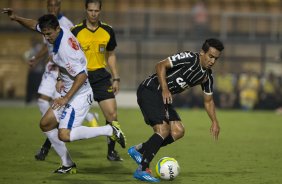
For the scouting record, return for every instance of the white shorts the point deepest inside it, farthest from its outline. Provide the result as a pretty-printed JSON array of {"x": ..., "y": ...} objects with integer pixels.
[
  {"x": 73, "y": 114},
  {"x": 48, "y": 85}
]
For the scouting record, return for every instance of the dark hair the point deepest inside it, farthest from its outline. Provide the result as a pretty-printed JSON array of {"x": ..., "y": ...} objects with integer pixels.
[
  {"x": 58, "y": 2},
  {"x": 212, "y": 42},
  {"x": 93, "y": 1},
  {"x": 48, "y": 21}
]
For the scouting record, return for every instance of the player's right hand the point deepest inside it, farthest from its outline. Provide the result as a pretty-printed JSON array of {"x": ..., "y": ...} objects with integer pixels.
[
  {"x": 9, "y": 12},
  {"x": 60, "y": 102},
  {"x": 167, "y": 97},
  {"x": 214, "y": 130}
]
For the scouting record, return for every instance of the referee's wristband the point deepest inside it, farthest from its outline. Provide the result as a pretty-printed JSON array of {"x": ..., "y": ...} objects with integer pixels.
[{"x": 116, "y": 79}]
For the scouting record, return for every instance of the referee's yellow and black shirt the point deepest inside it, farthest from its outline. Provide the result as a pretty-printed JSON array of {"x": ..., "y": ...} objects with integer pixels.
[{"x": 95, "y": 43}]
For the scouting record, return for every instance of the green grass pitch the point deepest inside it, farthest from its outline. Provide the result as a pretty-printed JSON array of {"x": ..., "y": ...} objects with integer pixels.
[{"x": 249, "y": 150}]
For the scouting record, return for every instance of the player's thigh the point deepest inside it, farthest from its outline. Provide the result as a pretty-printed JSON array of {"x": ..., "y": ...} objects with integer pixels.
[
  {"x": 151, "y": 105},
  {"x": 48, "y": 121},
  {"x": 74, "y": 113},
  {"x": 171, "y": 113}
]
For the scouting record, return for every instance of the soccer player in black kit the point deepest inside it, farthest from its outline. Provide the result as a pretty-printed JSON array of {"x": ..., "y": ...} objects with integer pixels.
[{"x": 154, "y": 95}]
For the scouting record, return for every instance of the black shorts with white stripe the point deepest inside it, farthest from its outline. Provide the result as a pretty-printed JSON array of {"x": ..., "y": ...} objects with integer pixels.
[{"x": 153, "y": 109}]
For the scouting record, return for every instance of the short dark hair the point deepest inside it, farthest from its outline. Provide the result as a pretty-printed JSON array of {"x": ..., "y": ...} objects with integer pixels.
[
  {"x": 48, "y": 21},
  {"x": 58, "y": 2},
  {"x": 93, "y": 1},
  {"x": 212, "y": 42}
]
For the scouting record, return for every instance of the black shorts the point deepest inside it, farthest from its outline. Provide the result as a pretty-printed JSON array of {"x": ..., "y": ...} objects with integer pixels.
[
  {"x": 153, "y": 108},
  {"x": 100, "y": 82}
]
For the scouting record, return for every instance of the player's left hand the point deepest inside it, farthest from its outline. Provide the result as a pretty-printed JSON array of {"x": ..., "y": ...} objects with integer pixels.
[
  {"x": 59, "y": 86},
  {"x": 214, "y": 130},
  {"x": 59, "y": 102}
]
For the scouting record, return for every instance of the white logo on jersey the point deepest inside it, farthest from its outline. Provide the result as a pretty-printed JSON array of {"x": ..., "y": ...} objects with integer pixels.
[
  {"x": 181, "y": 55},
  {"x": 181, "y": 83},
  {"x": 70, "y": 69}
]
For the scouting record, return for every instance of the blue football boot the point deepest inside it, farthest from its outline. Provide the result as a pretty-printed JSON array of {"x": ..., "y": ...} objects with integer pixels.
[
  {"x": 135, "y": 155},
  {"x": 145, "y": 175}
]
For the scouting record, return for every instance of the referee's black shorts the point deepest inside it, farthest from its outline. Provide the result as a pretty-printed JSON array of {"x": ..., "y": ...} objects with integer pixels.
[
  {"x": 100, "y": 82},
  {"x": 152, "y": 107}
]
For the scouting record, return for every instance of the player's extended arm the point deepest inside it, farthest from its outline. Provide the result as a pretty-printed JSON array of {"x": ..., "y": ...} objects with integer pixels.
[
  {"x": 210, "y": 108},
  {"x": 28, "y": 23},
  {"x": 161, "y": 68},
  {"x": 112, "y": 63},
  {"x": 78, "y": 82}
]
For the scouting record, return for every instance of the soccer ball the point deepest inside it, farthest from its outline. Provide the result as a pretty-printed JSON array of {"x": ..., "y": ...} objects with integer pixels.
[{"x": 167, "y": 168}]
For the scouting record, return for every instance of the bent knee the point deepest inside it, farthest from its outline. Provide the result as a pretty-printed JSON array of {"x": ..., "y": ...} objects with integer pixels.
[
  {"x": 165, "y": 133},
  {"x": 44, "y": 125},
  {"x": 162, "y": 129},
  {"x": 48, "y": 121},
  {"x": 64, "y": 136},
  {"x": 178, "y": 134}
]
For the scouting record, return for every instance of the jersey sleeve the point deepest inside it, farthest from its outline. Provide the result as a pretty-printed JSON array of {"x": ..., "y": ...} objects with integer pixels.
[
  {"x": 112, "y": 42},
  {"x": 181, "y": 58},
  {"x": 207, "y": 86}
]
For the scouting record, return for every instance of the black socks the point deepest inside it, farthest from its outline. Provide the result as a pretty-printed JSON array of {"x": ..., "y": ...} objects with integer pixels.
[
  {"x": 150, "y": 149},
  {"x": 168, "y": 140},
  {"x": 47, "y": 144}
]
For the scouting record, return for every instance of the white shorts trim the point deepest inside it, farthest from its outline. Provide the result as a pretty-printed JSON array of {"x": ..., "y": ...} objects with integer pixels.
[{"x": 74, "y": 113}]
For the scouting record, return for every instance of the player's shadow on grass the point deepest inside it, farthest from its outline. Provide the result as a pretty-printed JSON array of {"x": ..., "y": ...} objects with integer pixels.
[
  {"x": 87, "y": 155},
  {"x": 100, "y": 174},
  {"x": 76, "y": 180},
  {"x": 223, "y": 173},
  {"x": 114, "y": 168}
]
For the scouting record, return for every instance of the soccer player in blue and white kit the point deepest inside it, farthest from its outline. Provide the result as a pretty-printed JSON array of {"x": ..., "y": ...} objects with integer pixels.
[
  {"x": 62, "y": 122},
  {"x": 46, "y": 90}
]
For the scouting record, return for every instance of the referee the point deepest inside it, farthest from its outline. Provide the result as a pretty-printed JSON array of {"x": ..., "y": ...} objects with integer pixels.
[{"x": 98, "y": 42}]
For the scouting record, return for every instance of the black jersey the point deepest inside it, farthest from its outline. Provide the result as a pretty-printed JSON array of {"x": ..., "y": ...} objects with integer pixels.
[{"x": 185, "y": 72}]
